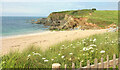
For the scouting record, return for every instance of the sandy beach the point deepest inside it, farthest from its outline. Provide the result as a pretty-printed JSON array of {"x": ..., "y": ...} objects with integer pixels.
[{"x": 44, "y": 40}]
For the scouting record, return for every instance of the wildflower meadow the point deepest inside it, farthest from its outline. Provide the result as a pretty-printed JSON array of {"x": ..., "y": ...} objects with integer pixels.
[{"x": 66, "y": 52}]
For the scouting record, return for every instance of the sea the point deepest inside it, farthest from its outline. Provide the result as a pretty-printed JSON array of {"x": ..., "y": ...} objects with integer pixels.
[{"x": 15, "y": 25}]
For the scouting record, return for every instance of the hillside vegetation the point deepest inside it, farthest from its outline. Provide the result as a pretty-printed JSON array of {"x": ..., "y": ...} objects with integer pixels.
[
  {"x": 81, "y": 19},
  {"x": 100, "y": 17},
  {"x": 65, "y": 52}
]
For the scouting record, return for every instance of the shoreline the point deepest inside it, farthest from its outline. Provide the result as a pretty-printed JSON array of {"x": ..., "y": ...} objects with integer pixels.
[
  {"x": 24, "y": 35},
  {"x": 44, "y": 40}
]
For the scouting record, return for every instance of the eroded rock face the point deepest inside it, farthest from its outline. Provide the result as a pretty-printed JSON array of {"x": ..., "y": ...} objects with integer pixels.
[{"x": 60, "y": 21}]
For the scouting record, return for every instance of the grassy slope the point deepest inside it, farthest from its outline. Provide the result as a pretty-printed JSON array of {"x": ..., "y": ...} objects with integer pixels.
[
  {"x": 101, "y": 18},
  {"x": 27, "y": 59}
]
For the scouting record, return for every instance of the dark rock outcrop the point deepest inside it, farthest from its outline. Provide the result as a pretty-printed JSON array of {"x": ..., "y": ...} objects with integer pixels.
[{"x": 62, "y": 21}]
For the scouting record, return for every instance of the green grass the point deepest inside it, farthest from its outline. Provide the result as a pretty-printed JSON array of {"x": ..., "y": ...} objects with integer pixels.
[
  {"x": 100, "y": 17},
  {"x": 77, "y": 13},
  {"x": 71, "y": 51},
  {"x": 103, "y": 18}
]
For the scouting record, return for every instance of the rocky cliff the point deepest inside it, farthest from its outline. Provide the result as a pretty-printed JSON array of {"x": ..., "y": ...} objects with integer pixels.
[{"x": 67, "y": 20}]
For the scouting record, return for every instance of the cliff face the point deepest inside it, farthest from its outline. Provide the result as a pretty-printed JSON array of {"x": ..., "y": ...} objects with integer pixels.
[
  {"x": 66, "y": 21},
  {"x": 62, "y": 21}
]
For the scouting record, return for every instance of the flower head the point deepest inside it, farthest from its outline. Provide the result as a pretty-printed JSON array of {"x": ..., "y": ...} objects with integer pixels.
[
  {"x": 37, "y": 54},
  {"x": 84, "y": 49},
  {"x": 46, "y": 60},
  {"x": 71, "y": 53},
  {"x": 92, "y": 50},
  {"x": 62, "y": 56},
  {"x": 52, "y": 59},
  {"x": 29, "y": 55},
  {"x": 70, "y": 59},
  {"x": 94, "y": 40},
  {"x": 102, "y": 51},
  {"x": 59, "y": 54},
  {"x": 43, "y": 58},
  {"x": 90, "y": 47}
]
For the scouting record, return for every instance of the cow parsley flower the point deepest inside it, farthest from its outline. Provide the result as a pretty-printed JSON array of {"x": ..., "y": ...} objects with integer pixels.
[
  {"x": 94, "y": 40},
  {"x": 3, "y": 62},
  {"x": 46, "y": 60},
  {"x": 82, "y": 60},
  {"x": 102, "y": 51},
  {"x": 37, "y": 54},
  {"x": 92, "y": 50},
  {"x": 43, "y": 58},
  {"x": 84, "y": 49},
  {"x": 70, "y": 59},
  {"x": 59, "y": 54},
  {"x": 52, "y": 59},
  {"x": 62, "y": 56},
  {"x": 71, "y": 53},
  {"x": 29, "y": 55},
  {"x": 90, "y": 47}
]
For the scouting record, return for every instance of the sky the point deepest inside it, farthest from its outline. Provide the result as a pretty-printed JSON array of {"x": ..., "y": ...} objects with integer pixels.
[{"x": 45, "y": 7}]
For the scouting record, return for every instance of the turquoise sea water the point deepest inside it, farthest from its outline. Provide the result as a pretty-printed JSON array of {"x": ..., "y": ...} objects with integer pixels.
[{"x": 12, "y": 26}]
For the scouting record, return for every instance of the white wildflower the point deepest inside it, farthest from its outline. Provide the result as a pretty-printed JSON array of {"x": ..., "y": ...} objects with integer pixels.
[
  {"x": 73, "y": 46},
  {"x": 82, "y": 60},
  {"x": 87, "y": 49},
  {"x": 63, "y": 45},
  {"x": 37, "y": 54},
  {"x": 102, "y": 51},
  {"x": 46, "y": 60},
  {"x": 83, "y": 54},
  {"x": 71, "y": 53},
  {"x": 78, "y": 58},
  {"x": 106, "y": 37},
  {"x": 59, "y": 54},
  {"x": 112, "y": 41},
  {"x": 43, "y": 58},
  {"x": 52, "y": 59},
  {"x": 90, "y": 39},
  {"x": 29, "y": 55},
  {"x": 70, "y": 59},
  {"x": 92, "y": 50},
  {"x": 62, "y": 56},
  {"x": 84, "y": 49},
  {"x": 33, "y": 52},
  {"x": 90, "y": 47},
  {"x": 3, "y": 62},
  {"x": 94, "y": 40},
  {"x": 93, "y": 45}
]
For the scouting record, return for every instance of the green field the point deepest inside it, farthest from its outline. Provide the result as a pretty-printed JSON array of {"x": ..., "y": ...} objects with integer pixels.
[{"x": 65, "y": 52}]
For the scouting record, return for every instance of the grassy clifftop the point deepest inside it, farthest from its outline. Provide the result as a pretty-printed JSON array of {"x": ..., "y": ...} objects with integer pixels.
[{"x": 101, "y": 18}]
